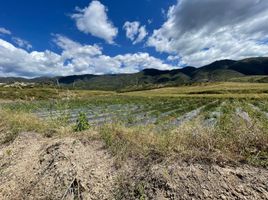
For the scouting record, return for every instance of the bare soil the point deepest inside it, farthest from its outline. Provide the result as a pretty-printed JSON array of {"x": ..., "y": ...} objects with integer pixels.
[{"x": 35, "y": 167}]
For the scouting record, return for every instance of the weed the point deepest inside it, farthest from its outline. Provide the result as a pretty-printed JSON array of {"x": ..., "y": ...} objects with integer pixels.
[
  {"x": 81, "y": 122},
  {"x": 9, "y": 152},
  {"x": 140, "y": 191}
]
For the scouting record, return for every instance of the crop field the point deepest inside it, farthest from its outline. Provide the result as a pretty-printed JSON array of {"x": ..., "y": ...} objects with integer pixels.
[
  {"x": 142, "y": 111},
  {"x": 163, "y": 108},
  {"x": 208, "y": 121},
  {"x": 126, "y": 110},
  {"x": 213, "y": 90}
]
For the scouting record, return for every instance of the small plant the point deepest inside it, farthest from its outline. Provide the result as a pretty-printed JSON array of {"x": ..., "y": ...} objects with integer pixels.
[
  {"x": 140, "y": 191},
  {"x": 81, "y": 122},
  {"x": 9, "y": 152}
]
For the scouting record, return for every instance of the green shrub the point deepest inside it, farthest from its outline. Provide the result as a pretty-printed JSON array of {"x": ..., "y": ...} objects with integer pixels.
[{"x": 81, "y": 123}]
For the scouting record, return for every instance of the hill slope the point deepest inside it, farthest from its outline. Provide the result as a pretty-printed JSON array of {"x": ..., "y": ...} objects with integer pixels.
[{"x": 222, "y": 70}]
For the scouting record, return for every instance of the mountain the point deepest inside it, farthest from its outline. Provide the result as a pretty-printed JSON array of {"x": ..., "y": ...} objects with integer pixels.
[{"x": 222, "y": 70}]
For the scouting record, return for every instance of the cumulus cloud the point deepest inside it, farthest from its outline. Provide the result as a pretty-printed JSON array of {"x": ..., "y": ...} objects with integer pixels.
[
  {"x": 74, "y": 58},
  {"x": 134, "y": 31},
  {"x": 18, "y": 62},
  {"x": 74, "y": 49},
  {"x": 90, "y": 59},
  {"x": 94, "y": 20},
  {"x": 22, "y": 43},
  {"x": 132, "y": 28},
  {"x": 5, "y": 31},
  {"x": 200, "y": 32},
  {"x": 173, "y": 58},
  {"x": 131, "y": 63}
]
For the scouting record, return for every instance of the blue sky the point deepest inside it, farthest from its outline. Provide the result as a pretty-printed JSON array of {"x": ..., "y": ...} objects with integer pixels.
[
  {"x": 63, "y": 37},
  {"x": 36, "y": 20}
]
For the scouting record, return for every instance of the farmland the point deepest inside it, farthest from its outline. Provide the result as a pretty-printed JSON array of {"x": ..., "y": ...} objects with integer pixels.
[
  {"x": 218, "y": 108},
  {"x": 214, "y": 123},
  {"x": 134, "y": 100}
]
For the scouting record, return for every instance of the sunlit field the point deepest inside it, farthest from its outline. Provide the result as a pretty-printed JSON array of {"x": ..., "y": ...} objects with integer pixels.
[
  {"x": 134, "y": 100},
  {"x": 218, "y": 121},
  {"x": 215, "y": 90}
]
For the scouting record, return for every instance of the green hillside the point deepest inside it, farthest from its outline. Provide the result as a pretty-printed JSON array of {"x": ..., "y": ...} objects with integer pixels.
[{"x": 246, "y": 70}]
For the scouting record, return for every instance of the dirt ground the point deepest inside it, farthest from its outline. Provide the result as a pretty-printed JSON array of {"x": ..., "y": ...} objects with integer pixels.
[{"x": 34, "y": 167}]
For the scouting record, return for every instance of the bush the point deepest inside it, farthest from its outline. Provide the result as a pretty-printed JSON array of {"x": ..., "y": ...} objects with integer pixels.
[{"x": 81, "y": 122}]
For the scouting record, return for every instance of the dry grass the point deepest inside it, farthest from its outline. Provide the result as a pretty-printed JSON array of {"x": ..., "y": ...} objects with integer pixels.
[
  {"x": 44, "y": 93},
  {"x": 211, "y": 90},
  {"x": 234, "y": 140},
  {"x": 12, "y": 123},
  {"x": 192, "y": 142}
]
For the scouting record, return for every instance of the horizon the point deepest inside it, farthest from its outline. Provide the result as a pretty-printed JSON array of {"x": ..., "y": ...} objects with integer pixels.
[
  {"x": 31, "y": 78},
  {"x": 50, "y": 39}
]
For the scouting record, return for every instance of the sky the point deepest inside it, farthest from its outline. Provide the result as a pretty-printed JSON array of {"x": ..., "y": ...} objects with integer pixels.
[{"x": 66, "y": 37}]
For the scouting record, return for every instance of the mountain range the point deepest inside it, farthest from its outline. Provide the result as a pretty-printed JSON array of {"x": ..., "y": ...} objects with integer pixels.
[{"x": 250, "y": 69}]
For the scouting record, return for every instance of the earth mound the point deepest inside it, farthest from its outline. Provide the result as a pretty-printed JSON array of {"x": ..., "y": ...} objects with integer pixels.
[{"x": 35, "y": 167}]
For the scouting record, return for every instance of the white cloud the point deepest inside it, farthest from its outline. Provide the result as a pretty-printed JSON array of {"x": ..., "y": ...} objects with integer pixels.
[
  {"x": 22, "y": 43},
  {"x": 142, "y": 34},
  {"x": 18, "y": 62},
  {"x": 90, "y": 59},
  {"x": 73, "y": 49},
  {"x": 173, "y": 58},
  {"x": 130, "y": 63},
  {"x": 18, "y": 41},
  {"x": 94, "y": 20},
  {"x": 134, "y": 31},
  {"x": 5, "y": 31},
  {"x": 200, "y": 32},
  {"x": 74, "y": 58},
  {"x": 132, "y": 28}
]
